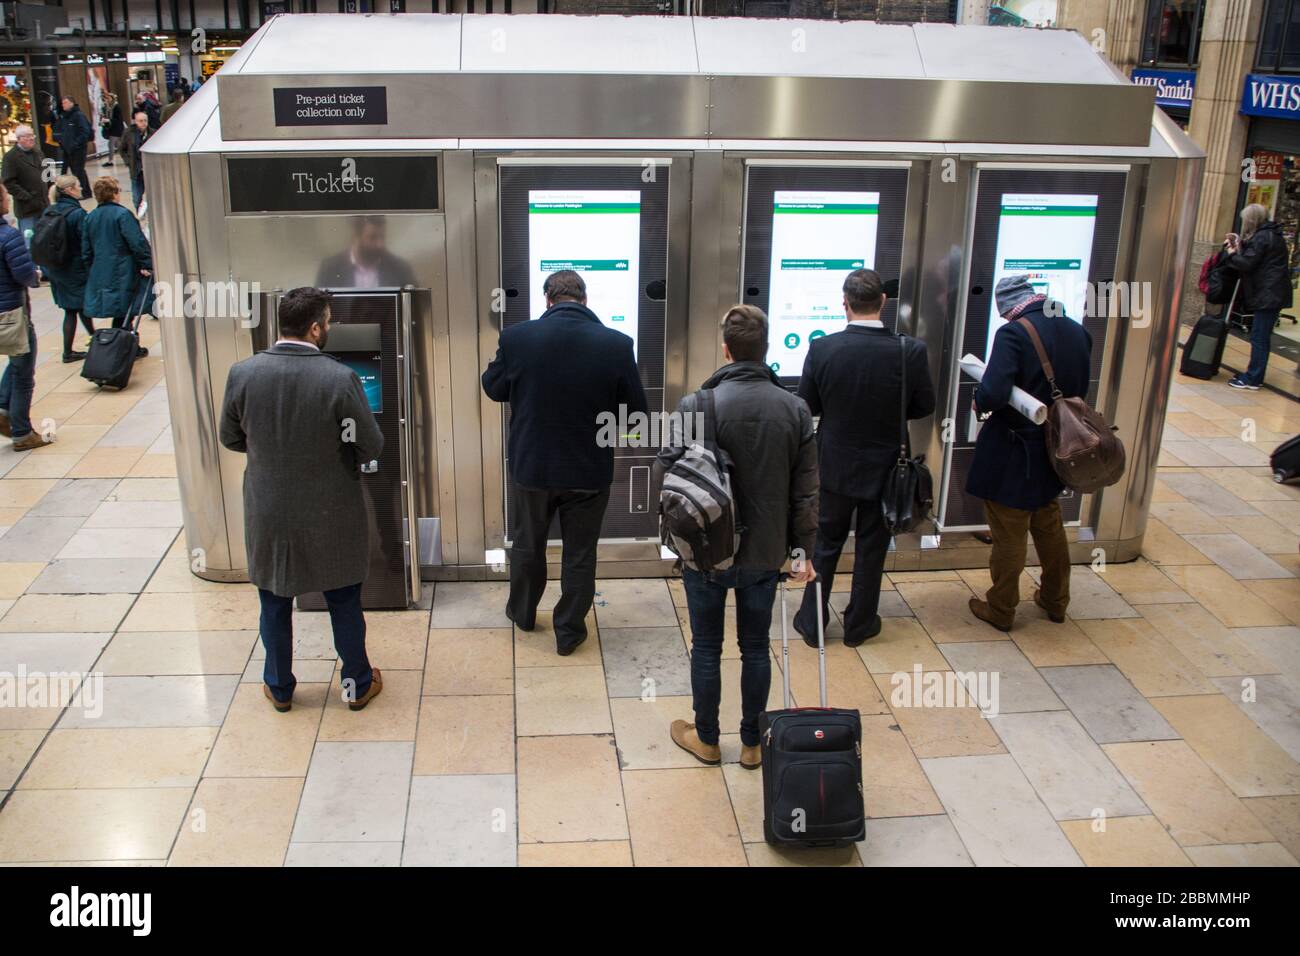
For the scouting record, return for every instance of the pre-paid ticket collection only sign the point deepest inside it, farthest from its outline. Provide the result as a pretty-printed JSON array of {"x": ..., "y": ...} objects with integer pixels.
[{"x": 331, "y": 106}]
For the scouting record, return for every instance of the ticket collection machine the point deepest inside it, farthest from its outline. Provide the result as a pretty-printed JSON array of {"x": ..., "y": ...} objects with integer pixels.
[{"x": 447, "y": 163}]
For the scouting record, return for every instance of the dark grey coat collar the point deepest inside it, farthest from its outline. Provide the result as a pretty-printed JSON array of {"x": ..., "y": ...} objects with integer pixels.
[{"x": 290, "y": 348}]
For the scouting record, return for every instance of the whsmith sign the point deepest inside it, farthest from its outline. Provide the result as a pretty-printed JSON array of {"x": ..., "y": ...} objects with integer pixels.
[
  {"x": 1173, "y": 87},
  {"x": 1268, "y": 95}
]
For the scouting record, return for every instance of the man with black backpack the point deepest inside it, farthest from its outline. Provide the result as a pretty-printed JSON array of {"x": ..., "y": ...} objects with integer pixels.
[
  {"x": 1012, "y": 470},
  {"x": 764, "y": 440}
]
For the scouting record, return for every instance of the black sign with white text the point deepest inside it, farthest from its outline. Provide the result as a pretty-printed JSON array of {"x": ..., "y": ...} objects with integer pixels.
[
  {"x": 362, "y": 183},
  {"x": 331, "y": 106}
]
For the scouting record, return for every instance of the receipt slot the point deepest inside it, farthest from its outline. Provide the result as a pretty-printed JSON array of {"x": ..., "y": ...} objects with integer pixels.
[{"x": 370, "y": 333}]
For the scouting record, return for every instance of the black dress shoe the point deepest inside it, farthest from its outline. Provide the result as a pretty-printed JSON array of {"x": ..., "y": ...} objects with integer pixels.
[
  {"x": 867, "y": 635},
  {"x": 802, "y": 631},
  {"x": 511, "y": 618},
  {"x": 567, "y": 649},
  {"x": 70, "y": 357}
]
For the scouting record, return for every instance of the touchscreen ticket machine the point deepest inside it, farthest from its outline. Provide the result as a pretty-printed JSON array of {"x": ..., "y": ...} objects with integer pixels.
[
  {"x": 370, "y": 333},
  {"x": 1061, "y": 228},
  {"x": 609, "y": 223},
  {"x": 806, "y": 229}
]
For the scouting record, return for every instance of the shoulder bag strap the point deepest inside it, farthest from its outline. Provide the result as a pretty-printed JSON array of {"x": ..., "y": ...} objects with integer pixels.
[
  {"x": 904, "y": 439},
  {"x": 704, "y": 404},
  {"x": 1042, "y": 356}
]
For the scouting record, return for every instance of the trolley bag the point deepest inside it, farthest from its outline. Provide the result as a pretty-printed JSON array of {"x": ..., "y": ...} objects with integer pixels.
[
  {"x": 812, "y": 762},
  {"x": 1285, "y": 461},
  {"x": 1203, "y": 353},
  {"x": 112, "y": 354}
]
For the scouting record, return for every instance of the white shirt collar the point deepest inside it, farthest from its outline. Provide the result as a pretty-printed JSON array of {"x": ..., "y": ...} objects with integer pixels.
[
  {"x": 868, "y": 323},
  {"x": 310, "y": 345}
]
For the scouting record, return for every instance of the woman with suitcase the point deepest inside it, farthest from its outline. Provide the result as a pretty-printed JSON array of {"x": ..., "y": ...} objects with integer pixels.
[
  {"x": 1259, "y": 255},
  {"x": 117, "y": 256},
  {"x": 68, "y": 279}
]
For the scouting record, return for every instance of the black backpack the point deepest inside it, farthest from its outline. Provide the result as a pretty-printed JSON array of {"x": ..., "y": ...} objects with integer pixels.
[
  {"x": 51, "y": 242},
  {"x": 697, "y": 510}
]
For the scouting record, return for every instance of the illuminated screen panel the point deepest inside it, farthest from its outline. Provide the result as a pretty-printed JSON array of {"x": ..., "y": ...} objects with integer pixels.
[
  {"x": 1048, "y": 238},
  {"x": 596, "y": 233},
  {"x": 369, "y": 370},
  {"x": 818, "y": 238}
]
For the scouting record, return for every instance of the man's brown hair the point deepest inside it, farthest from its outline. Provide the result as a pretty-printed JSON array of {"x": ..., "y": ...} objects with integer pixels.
[
  {"x": 744, "y": 331},
  {"x": 864, "y": 291}
]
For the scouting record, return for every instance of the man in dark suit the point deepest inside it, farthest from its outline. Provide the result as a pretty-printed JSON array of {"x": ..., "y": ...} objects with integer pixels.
[
  {"x": 366, "y": 263},
  {"x": 560, "y": 373},
  {"x": 1011, "y": 470},
  {"x": 303, "y": 420},
  {"x": 854, "y": 381}
]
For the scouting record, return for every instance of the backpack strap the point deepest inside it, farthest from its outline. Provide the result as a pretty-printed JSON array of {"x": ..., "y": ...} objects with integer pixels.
[
  {"x": 705, "y": 403},
  {"x": 1042, "y": 356}
]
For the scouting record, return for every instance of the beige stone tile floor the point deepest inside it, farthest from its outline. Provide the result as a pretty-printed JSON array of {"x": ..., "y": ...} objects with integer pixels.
[{"x": 1173, "y": 741}]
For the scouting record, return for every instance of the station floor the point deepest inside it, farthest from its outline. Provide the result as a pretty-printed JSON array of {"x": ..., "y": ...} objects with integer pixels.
[{"x": 1122, "y": 736}]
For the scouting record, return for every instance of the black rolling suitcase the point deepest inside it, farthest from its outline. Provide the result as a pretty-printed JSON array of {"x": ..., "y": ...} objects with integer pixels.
[
  {"x": 812, "y": 763},
  {"x": 1285, "y": 461},
  {"x": 112, "y": 354},
  {"x": 1203, "y": 353}
]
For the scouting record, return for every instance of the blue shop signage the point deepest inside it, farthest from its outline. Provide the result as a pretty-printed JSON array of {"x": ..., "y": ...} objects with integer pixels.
[
  {"x": 1269, "y": 95},
  {"x": 1173, "y": 87}
]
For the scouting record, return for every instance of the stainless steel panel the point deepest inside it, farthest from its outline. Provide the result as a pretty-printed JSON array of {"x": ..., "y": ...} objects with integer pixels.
[
  {"x": 547, "y": 43},
  {"x": 831, "y": 108},
  {"x": 486, "y": 105},
  {"x": 488, "y": 317},
  {"x": 806, "y": 47}
]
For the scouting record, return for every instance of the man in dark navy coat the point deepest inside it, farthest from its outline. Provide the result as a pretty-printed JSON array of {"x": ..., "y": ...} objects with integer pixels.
[
  {"x": 854, "y": 380},
  {"x": 561, "y": 373},
  {"x": 1011, "y": 470}
]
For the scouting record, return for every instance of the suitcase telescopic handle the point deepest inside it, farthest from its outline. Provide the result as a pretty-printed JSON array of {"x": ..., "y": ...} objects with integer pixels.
[{"x": 785, "y": 648}]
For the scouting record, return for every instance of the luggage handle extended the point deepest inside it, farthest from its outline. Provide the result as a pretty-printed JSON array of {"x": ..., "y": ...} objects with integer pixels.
[{"x": 785, "y": 648}]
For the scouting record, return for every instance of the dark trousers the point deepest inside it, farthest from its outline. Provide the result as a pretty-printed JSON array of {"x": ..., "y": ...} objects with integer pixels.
[
  {"x": 70, "y": 318},
  {"x": 581, "y": 512},
  {"x": 74, "y": 161},
  {"x": 870, "y": 545},
  {"x": 17, "y": 385},
  {"x": 1261, "y": 337},
  {"x": 137, "y": 190},
  {"x": 706, "y": 599},
  {"x": 1008, "y": 527},
  {"x": 349, "y": 626}
]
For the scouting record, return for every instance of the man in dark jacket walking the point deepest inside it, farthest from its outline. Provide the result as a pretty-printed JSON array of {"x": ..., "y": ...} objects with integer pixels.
[
  {"x": 304, "y": 422},
  {"x": 21, "y": 172},
  {"x": 768, "y": 434},
  {"x": 853, "y": 380},
  {"x": 137, "y": 134},
  {"x": 561, "y": 373},
  {"x": 1011, "y": 470},
  {"x": 1261, "y": 258},
  {"x": 74, "y": 134}
]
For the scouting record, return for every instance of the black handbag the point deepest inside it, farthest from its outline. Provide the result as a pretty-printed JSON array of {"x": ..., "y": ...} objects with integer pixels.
[{"x": 909, "y": 488}]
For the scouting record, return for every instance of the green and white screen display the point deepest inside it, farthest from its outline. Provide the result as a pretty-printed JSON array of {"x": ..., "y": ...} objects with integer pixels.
[
  {"x": 596, "y": 233},
  {"x": 818, "y": 238},
  {"x": 1049, "y": 239}
]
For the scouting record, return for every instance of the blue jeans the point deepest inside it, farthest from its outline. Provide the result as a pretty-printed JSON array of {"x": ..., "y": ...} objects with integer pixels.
[
  {"x": 706, "y": 599},
  {"x": 137, "y": 190},
  {"x": 1261, "y": 334},
  {"x": 17, "y": 385},
  {"x": 25, "y": 223},
  {"x": 349, "y": 626}
]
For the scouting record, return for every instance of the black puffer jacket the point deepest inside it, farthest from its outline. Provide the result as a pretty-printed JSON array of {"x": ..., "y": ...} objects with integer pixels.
[
  {"x": 1264, "y": 264},
  {"x": 768, "y": 433}
]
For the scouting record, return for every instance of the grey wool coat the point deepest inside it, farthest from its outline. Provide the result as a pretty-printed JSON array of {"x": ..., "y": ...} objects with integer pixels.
[{"x": 305, "y": 521}]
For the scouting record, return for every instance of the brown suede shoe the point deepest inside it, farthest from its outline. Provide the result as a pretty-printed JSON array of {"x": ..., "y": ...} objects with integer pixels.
[
  {"x": 6, "y": 426},
  {"x": 982, "y": 611},
  {"x": 751, "y": 758},
  {"x": 1054, "y": 618},
  {"x": 32, "y": 439},
  {"x": 376, "y": 686},
  {"x": 684, "y": 736},
  {"x": 283, "y": 706}
]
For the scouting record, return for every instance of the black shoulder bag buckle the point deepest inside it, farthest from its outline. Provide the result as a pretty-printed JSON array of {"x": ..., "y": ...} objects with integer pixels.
[{"x": 909, "y": 488}]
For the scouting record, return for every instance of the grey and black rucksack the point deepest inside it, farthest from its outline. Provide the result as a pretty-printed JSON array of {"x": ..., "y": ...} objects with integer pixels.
[{"x": 697, "y": 513}]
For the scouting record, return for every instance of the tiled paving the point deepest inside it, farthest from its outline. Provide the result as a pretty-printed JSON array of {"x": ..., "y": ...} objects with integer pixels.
[{"x": 1157, "y": 726}]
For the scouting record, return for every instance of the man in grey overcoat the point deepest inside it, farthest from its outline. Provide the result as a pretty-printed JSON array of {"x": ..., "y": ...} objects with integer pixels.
[{"x": 303, "y": 420}]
